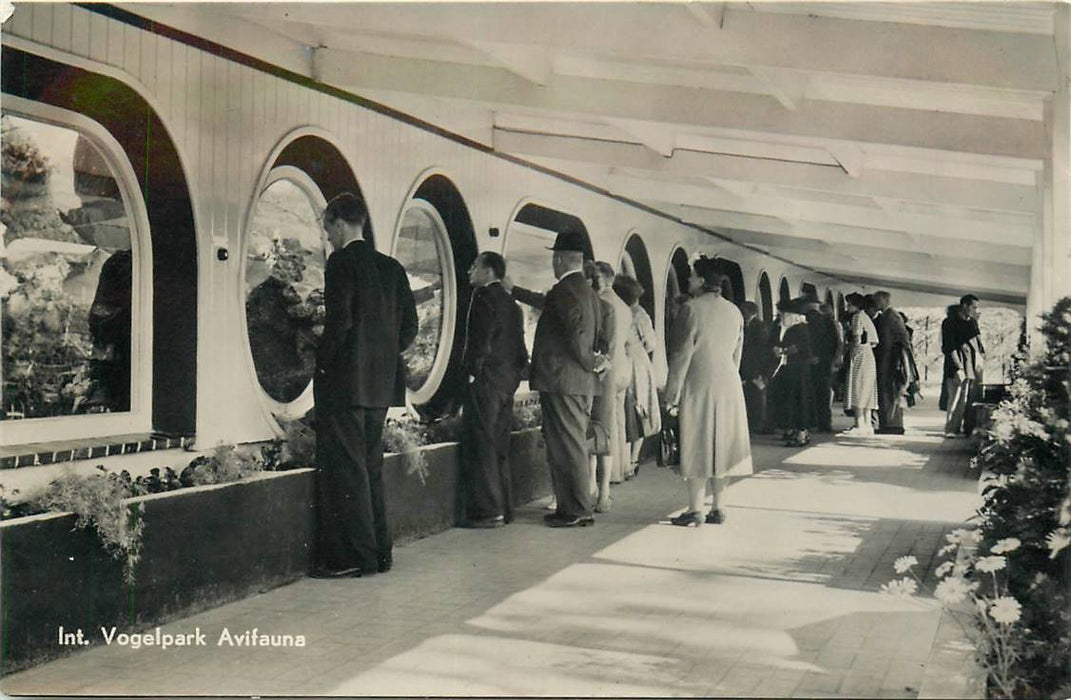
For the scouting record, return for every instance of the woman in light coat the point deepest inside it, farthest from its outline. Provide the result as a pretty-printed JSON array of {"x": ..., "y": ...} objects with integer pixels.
[
  {"x": 861, "y": 391},
  {"x": 704, "y": 386},
  {"x": 643, "y": 415}
]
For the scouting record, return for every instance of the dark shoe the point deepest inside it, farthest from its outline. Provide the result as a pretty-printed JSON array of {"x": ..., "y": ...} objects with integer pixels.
[
  {"x": 689, "y": 518},
  {"x": 385, "y": 564},
  {"x": 566, "y": 521},
  {"x": 349, "y": 572},
  {"x": 716, "y": 516},
  {"x": 485, "y": 523}
]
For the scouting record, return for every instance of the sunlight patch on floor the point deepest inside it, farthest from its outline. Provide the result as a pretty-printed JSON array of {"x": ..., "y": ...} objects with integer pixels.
[{"x": 840, "y": 455}]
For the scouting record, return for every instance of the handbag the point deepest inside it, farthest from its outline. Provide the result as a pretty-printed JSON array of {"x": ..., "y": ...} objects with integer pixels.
[{"x": 669, "y": 441}]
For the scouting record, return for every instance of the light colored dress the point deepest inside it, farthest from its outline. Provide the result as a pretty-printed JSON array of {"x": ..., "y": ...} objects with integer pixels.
[
  {"x": 862, "y": 386},
  {"x": 704, "y": 382},
  {"x": 644, "y": 384}
]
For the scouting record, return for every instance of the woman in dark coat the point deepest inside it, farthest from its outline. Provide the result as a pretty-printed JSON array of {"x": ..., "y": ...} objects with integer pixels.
[{"x": 791, "y": 397}]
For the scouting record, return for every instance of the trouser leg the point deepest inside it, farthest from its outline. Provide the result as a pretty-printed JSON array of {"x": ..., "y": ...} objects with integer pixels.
[
  {"x": 482, "y": 452},
  {"x": 565, "y": 419},
  {"x": 352, "y": 521}
]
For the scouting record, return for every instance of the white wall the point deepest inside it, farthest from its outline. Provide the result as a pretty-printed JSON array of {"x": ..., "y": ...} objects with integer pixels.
[{"x": 227, "y": 120}]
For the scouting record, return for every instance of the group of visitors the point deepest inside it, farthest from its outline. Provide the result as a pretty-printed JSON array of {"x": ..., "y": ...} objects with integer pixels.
[
  {"x": 593, "y": 365},
  {"x": 789, "y": 368}
]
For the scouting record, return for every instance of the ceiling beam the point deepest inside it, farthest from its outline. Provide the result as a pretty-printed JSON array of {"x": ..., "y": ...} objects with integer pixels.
[
  {"x": 998, "y": 232},
  {"x": 661, "y": 31},
  {"x": 915, "y": 187},
  {"x": 692, "y": 107}
]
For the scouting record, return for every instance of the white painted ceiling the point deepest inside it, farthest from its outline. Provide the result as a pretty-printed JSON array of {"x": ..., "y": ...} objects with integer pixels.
[{"x": 877, "y": 142}]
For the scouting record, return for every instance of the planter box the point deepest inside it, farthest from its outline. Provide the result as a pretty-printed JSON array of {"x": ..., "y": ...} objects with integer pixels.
[
  {"x": 206, "y": 546},
  {"x": 419, "y": 509},
  {"x": 202, "y": 547}
]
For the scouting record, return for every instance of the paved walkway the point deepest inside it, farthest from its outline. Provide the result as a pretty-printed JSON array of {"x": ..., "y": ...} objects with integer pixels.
[{"x": 779, "y": 601}]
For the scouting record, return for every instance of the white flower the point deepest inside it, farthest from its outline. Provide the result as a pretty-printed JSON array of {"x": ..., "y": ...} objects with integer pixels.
[
  {"x": 947, "y": 549},
  {"x": 990, "y": 564},
  {"x": 944, "y": 569},
  {"x": 982, "y": 606},
  {"x": 1057, "y": 540},
  {"x": 1005, "y": 610},
  {"x": 900, "y": 588},
  {"x": 904, "y": 563},
  {"x": 1008, "y": 544},
  {"x": 953, "y": 590}
]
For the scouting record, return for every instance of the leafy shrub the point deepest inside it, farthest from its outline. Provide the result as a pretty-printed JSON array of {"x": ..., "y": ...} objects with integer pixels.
[
  {"x": 407, "y": 437},
  {"x": 1028, "y": 453}
]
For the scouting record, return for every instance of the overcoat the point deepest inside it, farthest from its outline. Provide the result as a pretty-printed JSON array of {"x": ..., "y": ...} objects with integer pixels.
[{"x": 704, "y": 382}]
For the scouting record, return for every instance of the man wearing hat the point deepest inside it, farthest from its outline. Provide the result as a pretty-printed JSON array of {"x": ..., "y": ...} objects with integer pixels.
[
  {"x": 563, "y": 370},
  {"x": 826, "y": 343}
]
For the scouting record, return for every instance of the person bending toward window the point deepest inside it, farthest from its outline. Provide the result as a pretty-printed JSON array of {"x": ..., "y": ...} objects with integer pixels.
[
  {"x": 494, "y": 360},
  {"x": 370, "y": 318}
]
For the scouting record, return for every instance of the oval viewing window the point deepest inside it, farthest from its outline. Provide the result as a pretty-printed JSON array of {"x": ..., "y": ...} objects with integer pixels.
[
  {"x": 423, "y": 248},
  {"x": 284, "y": 284}
]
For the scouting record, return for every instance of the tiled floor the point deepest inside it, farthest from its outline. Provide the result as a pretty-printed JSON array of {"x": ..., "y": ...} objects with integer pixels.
[{"x": 779, "y": 601}]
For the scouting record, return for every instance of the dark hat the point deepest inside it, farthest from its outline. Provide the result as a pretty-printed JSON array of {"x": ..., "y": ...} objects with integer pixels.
[
  {"x": 569, "y": 240},
  {"x": 856, "y": 299},
  {"x": 805, "y": 302},
  {"x": 791, "y": 306}
]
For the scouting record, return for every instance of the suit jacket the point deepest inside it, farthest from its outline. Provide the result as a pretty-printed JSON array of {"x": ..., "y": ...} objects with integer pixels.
[
  {"x": 757, "y": 360},
  {"x": 494, "y": 354},
  {"x": 892, "y": 339},
  {"x": 563, "y": 353},
  {"x": 370, "y": 319},
  {"x": 825, "y": 339}
]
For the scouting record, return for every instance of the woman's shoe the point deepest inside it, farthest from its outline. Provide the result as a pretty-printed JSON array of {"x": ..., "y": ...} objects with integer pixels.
[
  {"x": 716, "y": 516},
  {"x": 689, "y": 518},
  {"x": 603, "y": 506}
]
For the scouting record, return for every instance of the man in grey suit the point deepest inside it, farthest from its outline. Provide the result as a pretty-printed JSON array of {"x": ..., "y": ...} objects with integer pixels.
[
  {"x": 563, "y": 369},
  {"x": 892, "y": 342}
]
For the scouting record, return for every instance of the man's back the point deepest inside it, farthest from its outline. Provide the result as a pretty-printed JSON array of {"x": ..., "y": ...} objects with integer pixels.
[
  {"x": 563, "y": 352},
  {"x": 370, "y": 318}
]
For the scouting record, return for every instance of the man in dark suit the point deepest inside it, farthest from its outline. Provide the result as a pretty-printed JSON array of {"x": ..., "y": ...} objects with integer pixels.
[
  {"x": 564, "y": 363},
  {"x": 826, "y": 342},
  {"x": 370, "y": 319},
  {"x": 892, "y": 341},
  {"x": 494, "y": 360}
]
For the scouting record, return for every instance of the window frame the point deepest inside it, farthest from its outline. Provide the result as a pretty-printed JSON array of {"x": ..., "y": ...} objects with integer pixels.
[
  {"x": 448, "y": 325},
  {"x": 291, "y": 410},
  {"x": 138, "y": 420}
]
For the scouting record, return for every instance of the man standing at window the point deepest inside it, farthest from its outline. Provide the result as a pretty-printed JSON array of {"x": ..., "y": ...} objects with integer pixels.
[
  {"x": 370, "y": 318},
  {"x": 563, "y": 372},
  {"x": 494, "y": 360}
]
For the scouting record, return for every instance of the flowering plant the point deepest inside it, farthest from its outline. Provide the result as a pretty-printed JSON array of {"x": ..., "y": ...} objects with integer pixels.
[{"x": 974, "y": 588}]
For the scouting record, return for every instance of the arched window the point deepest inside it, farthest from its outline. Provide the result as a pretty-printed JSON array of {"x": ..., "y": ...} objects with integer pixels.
[
  {"x": 783, "y": 292},
  {"x": 733, "y": 287},
  {"x": 75, "y": 280},
  {"x": 765, "y": 297},
  {"x": 284, "y": 282},
  {"x": 422, "y": 246},
  {"x": 832, "y": 305},
  {"x": 532, "y": 231},
  {"x": 809, "y": 290},
  {"x": 677, "y": 275},
  {"x": 285, "y": 256},
  {"x": 636, "y": 264}
]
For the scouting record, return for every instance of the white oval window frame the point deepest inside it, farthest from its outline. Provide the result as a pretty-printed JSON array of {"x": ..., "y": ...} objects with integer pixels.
[
  {"x": 448, "y": 328},
  {"x": 304, "y": 401},
  {"x": 139, "y": 418}
]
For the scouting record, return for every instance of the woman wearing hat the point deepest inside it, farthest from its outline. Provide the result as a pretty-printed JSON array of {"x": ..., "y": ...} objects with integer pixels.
[
  {"x": 643, "y": 417},
  {"x": 704, "y": 385},
  {"x": 791, "y": 394},
  {"x": 861, "y": 391}
]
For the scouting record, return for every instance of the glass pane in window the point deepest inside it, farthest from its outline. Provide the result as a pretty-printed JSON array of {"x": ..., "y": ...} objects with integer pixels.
[
  {"x": 529, "y": 268},
  {"x": 420, "y": 250},
  {"x": 66, "y": 275},
  {"x": 284, "y": 287}
]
